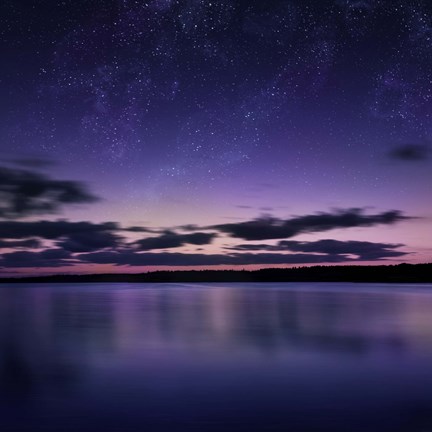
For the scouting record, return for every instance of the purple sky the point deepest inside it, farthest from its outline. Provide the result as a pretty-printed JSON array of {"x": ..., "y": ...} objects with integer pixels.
[{"x": 309, "y": 119}]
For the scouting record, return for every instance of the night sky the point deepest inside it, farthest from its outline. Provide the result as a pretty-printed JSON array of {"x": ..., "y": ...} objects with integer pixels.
[{"x": 167, "y": 134}]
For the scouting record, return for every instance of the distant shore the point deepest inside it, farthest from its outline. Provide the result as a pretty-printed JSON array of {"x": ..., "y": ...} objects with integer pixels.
[{"x": 401, "y": 273}]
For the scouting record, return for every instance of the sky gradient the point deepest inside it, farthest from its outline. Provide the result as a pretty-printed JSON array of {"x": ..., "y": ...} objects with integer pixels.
[{"x": 143, "y": 135}]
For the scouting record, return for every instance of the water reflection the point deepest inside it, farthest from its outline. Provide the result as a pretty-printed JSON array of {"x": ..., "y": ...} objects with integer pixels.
[{"x": 215, "y": 357}]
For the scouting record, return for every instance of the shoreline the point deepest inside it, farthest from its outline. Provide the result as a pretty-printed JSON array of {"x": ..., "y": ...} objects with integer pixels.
[{"x": 400, "y": 273}]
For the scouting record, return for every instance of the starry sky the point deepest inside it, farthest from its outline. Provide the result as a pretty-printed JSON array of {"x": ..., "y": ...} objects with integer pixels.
[{"x": 168, "y": 134}]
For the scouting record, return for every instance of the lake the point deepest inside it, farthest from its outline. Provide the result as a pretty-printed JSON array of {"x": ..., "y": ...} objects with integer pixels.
[{"x": 216, "y": 357}]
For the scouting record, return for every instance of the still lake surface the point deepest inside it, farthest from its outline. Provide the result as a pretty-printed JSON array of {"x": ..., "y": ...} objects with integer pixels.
[{"x": 216, "y": 357}]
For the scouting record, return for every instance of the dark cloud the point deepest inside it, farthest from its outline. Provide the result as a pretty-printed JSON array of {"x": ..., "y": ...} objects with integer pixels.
[
  {"x": 267, "y": 228},
  {"x": 87, "y": 242},
  {"x": 128, "y": 258},
  {"x": 411, "y": 152},
  {"x": 189, "y": 227},
  {"x": 90, "y": 241},
  {"x": 173, "y": 240},
  {"x": 16, "y": 244},
  {"x": 46, "y": 258},
  {"x": 25, "y": 193},
  {"x": 51, "y": 229},
  {"x": 364, "y": 251},
  {"x": 140, "y": 229},
  {"x": 71, "y": 236}
]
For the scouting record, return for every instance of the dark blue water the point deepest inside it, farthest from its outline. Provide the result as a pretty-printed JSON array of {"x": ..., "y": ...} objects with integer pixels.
[{"x": 223, "y": 357}]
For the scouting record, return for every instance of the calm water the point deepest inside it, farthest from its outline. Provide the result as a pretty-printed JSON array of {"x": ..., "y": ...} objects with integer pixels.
[{"x": 216, "y": 357}]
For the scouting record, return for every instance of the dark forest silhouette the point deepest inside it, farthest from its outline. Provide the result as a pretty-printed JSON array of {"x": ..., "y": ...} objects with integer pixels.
[{"x": 401, "y": 273}]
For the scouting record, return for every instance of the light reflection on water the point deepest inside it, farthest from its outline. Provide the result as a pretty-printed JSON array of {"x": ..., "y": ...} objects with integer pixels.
[{"x": 232, "y": 357}]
